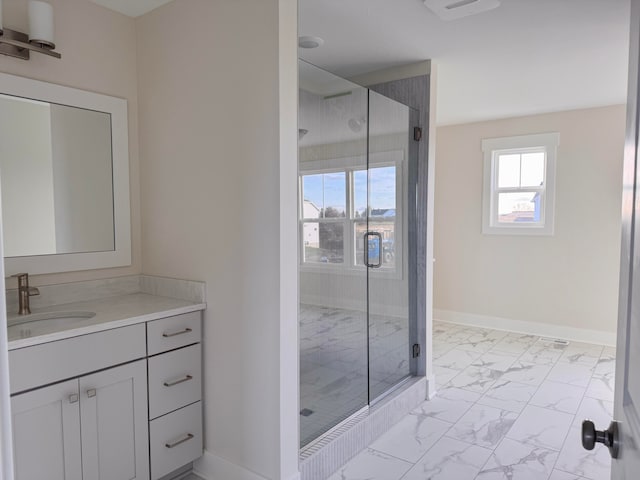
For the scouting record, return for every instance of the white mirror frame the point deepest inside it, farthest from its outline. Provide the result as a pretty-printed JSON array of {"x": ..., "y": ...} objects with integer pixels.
[{"x": 117, "y": 107}]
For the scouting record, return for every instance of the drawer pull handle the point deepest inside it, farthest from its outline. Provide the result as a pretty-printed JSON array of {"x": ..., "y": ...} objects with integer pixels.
[
  {"x": 175, "y": 334},
  {"x": 178, "y": 382},
  {"x": 188, "y": 437},
  {"x": 91, "y": 393},
  {"x": 73, "y": 398}
]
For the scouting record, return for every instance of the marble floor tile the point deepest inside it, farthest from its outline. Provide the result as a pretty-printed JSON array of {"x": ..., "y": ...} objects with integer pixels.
[
  {"x": 572, "y": 373},
  {"x": 440, "y": 348},
  {"x": 508, "y": 395},
  {"x": 508, "y": 405},
  {"x": 372, "y": 465},
  {"x": 593, "y": 465},
  {"x": 495, "y": 361},
  {"x": 541, "y": 427},
  {"x": 558, "y": 396},
  {"x": 583, "y": 353},
  {"x": 484, "y": 426},
  {"x": 476, "y": 379},
  {"x": 515, "y": 343},
  {"x": 444, "y": 375},
  {"x": 457, "y": 359},
  {"x": 543, "y": 353},
  {"x": 560, "y": 475},
  {"x": 606, "y": 365},
  {"x": 410, "y": 438},
  {"x": 529, "y": 373},
  {"x": 449, "y": 404},
  {"x": 450, "y": 459},
  {"x": 478, "y": 343},
  {"x": 598, "y": 411},
  {"x": 514, "y": 460},
  {"x": 602, "y": 386}
]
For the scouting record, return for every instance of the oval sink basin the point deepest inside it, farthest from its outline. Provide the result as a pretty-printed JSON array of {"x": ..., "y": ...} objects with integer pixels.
[{"x": 45, "y": 322}]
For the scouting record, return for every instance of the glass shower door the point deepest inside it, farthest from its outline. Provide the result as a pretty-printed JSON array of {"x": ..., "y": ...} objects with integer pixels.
[
  {"x": 387, "y": 254},
  {"x": 333, "y": 293}
]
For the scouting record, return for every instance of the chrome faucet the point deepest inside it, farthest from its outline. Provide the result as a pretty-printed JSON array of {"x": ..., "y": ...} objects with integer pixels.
[{"x": 24, "y": 292}]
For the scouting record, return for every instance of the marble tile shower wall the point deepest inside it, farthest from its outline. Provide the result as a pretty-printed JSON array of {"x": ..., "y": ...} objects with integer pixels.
[
  {"x": 333, "y": 363},
  {"x": 509, "y": 406}
]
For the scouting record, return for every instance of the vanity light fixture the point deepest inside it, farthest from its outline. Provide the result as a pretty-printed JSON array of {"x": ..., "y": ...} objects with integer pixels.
[{"x": 40, "y": 38}]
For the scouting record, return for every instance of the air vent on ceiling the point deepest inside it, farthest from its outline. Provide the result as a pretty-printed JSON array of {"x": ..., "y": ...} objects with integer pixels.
[{"x": 454, "y": 9}]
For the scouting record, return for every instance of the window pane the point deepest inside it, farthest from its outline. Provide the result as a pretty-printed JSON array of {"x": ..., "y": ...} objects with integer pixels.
[
  {"x": 312, "y": 191},
  {"x": 382, "y": 192},
  {"x": 360, "y": 230},
  {"x": 325, "y": 193},
  {"x": 508, "y": 171},
  {"x": 360, "y": 194},
  {"x": 519, "y": 207},
  {"x": 388, "y": 232},
  {"x": 323, "y": 242},
  {"x": 335, "y": 195},
  {"x": 532, "y": 169}
]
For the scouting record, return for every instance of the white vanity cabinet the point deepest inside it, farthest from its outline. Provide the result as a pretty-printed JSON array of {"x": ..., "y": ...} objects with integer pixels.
[
  {"x": 113, "y": 413},
  {"x": 132, "y": 409},
  {"x": 175, "y": 392},
  {"x": 84, "y": 429},
  {"x": 46, "y": 433}
]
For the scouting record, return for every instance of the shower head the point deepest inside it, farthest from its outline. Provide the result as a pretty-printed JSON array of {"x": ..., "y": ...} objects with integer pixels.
[
  {"x": 302, "y": 132},
  {"x": 356, "y": 124}
]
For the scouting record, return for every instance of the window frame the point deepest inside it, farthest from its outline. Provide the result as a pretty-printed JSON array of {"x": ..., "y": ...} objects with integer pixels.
[
  {"x": 349, "y": 165},
  {"x": 492, "y": 149}
]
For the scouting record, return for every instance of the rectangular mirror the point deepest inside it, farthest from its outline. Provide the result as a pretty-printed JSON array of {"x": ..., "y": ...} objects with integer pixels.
[{"x": 64, "y": 177}]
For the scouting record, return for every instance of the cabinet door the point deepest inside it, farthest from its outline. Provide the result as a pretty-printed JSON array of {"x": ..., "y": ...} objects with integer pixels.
[
  {"x": 113, "y": 412},
  {"x": 46, "y": 433}
]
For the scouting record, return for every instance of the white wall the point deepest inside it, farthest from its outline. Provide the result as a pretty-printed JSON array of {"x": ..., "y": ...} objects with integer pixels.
[
  {"x": 218, "y": 138},
  {"x": 98, "y": 55},
  {"x": 26, "y": 172},
  {"x": 569, "y": 279}
]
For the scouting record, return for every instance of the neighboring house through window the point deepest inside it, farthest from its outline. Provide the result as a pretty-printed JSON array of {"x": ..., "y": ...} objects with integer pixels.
[{"x": 519, "y": 184}]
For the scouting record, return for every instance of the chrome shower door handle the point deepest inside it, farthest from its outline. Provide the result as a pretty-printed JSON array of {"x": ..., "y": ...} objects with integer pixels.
[{"x": 366, "y": 249}]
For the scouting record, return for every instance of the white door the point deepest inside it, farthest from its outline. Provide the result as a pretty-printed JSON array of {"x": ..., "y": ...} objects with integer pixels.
[
  {"x": 626, "y": 463},
  {"x": 113, "y": 412},
  {"x": 46, "y": 433}
]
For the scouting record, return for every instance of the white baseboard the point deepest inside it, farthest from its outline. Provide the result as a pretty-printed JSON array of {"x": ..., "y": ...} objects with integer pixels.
[
  {"x": 213, "y": 467},
  {"x": 531, "y": 328}
]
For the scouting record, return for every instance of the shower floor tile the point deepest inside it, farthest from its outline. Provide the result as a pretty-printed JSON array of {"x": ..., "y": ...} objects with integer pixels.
[
  {"x": 514, "y": 413},
  {"x": 334, "y": 371}
]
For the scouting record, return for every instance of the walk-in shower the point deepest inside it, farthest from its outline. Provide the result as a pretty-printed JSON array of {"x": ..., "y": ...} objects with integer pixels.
[{"x": 357, "y": 201}]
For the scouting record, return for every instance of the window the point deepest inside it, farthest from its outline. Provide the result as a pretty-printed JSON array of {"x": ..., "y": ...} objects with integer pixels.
[
  {"x": 335, "y": 207},
  {"x": 519, "y": 184}
]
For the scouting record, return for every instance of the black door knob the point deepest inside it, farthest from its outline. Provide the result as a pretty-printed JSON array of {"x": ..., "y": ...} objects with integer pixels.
[{"x": 609, "y": 437}]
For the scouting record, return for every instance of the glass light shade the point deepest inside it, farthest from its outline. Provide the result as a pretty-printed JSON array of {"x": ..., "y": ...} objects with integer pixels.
[{"x": 41, "y": 23}]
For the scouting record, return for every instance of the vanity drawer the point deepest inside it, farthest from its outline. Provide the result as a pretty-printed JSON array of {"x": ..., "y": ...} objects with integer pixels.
[
  {"x": 174, "y": 380},
  {"x": 175, "y": 439},
  {"x": 173, "y": 332},
  {"x": 54, "y": 361}
]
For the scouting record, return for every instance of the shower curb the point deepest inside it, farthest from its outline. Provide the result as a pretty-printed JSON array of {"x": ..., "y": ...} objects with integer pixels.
[{"x": 324, "y": 458}]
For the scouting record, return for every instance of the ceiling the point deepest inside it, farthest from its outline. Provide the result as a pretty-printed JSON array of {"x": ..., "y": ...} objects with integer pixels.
[
  {"x": 522, "y": 58},
  {"x": 132, "y": 8}
]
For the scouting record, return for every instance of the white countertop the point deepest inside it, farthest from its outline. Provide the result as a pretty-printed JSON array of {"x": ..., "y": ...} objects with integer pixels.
[{"x": 111, "y": 312}]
